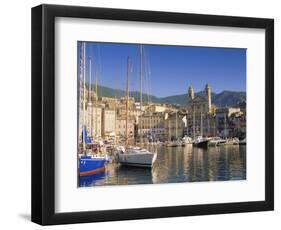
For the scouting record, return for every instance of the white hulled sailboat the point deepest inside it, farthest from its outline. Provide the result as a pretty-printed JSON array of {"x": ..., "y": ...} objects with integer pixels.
[
  {"x": 200, "y": 141},
  {"x": 132, "y": 155}
]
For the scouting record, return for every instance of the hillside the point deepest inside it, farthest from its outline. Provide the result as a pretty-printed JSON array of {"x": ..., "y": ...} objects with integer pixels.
[{"x": 225, "y": 98}]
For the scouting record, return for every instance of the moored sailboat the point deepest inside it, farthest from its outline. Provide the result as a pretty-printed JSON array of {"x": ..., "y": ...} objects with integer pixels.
[
  {"x": 216, "y": 141},
  {"x": 243, "y": 141},
  {"x": 200, "y": 141},
  {"x": 186, "y": 141},
  {"x": 135, "y": 156},
  {"x": 88, "y": 162}
]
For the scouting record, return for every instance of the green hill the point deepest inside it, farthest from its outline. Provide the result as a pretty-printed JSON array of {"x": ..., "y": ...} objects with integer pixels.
[{"x": 225, "y": 98}]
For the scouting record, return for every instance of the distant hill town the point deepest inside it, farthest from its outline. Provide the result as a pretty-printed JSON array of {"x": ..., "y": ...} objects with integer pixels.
[{"x": 224, "y": 98}]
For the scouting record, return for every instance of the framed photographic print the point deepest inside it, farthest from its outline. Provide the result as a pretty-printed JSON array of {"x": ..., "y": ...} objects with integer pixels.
[{"x": 142, "y": 114}]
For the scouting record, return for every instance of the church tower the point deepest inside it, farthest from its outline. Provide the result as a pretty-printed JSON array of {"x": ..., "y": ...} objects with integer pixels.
[
  {"x": 190, "y": 93},
  {"x": 208, "y": 96}
]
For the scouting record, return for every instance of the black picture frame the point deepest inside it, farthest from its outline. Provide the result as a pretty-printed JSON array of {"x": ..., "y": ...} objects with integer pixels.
[{"x": 43, "y": 114}]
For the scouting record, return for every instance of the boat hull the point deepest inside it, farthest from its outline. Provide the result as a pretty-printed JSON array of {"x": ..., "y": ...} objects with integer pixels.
[
  {"x": 174, "y": 144},
  {"x": 202, "y": 144},
  {"x": 143, "y": 160},
  {"x": 222, "y": 142},
  {"x": 89, "y": 166}
]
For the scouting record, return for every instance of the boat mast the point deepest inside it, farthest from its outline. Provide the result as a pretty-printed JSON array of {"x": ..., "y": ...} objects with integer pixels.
[
  {"x": 208, "y": 126},
  {"x": 193, "y": 124},
  {"x": 201, "y": 125},
  {"x": 169, "y": 133},
  {"x": 214, "y": 126},
  {"x": 115, "y": 121},
  {"x": 224, "y": 125},
  {"x": 127, "y": 98},
  {"x": 176, "y": 125},
  {"x": 84, "y": 95},
  {"x": 140, "y": 69},
  {"x": 96, "y": 107},
  {"x": 90, "y": 96},
  {"x": 186, "y": 126},
  {"x": 237, "y": 131},
  {"x": 80, "y": 92}
]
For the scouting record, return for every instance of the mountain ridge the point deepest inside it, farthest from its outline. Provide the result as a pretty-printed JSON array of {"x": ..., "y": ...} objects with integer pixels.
[{"x": 224, "y": 98}]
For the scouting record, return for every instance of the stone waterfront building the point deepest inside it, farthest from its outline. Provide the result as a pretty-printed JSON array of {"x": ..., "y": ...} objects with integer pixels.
[
  {"x": 151, "y": 125},
  {"x": 111, "y": 103},
  {"x": 94, "y": 120},
  {"x": 108, "y": 122},
  {"x": 121, "y": 127},
  {"x": 231, "y": 122},
  {"x": 225, "y": 119},
  {"x": 175, "y": 123},
  {"x": 200, "y": 118},
  {"x": 200, "y": 103}
]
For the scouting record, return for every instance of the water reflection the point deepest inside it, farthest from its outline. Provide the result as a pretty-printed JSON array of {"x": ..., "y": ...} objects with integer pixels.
[{"x": 180, "y": 164}]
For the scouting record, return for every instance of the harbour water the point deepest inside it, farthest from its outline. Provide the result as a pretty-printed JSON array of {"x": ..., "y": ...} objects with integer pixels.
[{"x": 178, "y": 164}]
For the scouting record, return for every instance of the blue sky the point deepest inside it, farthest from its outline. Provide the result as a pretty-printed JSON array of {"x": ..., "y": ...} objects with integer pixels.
[{"x": 168, "y": 70}]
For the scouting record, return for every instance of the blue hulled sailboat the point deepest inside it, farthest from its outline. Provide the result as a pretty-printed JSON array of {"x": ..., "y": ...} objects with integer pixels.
[{"x": 89, "y": 163}]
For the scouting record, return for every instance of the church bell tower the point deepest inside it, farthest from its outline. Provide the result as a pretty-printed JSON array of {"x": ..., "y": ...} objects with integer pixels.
[
  {"x": 208, "y": 96},
  {"x": 190, "y": 93}
]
